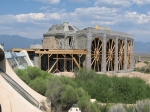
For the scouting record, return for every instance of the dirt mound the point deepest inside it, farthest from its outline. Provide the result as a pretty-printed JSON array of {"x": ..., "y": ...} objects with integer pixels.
[
  {"x": 67, "y": 74},
  {"x": 140, "y": 65},
  {"x": 143, "y": 76}
]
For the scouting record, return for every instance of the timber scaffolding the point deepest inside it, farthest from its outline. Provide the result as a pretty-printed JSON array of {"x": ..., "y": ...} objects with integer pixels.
[{"x": 54, "y": 61}]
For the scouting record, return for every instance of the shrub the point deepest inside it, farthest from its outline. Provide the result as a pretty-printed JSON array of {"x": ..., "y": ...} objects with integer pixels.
[
  {"x": 22, "y": 74},
  {"x": 30, "y": 73},
  {"x": 113, "y": 89},
  {"x": 58, "y": 89},
  {"x": 39, "y": 85}
]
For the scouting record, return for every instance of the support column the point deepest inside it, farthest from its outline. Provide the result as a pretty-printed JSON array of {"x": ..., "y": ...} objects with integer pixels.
[
  {"x": 132, "y": 55},
  {"x": 88, "y": 55},
  {"x": 125, "y": 54},
  {"x": 104, "y": 54},
  {"x": 116, "y": 54},
  {"x": 65, "y": 41}
]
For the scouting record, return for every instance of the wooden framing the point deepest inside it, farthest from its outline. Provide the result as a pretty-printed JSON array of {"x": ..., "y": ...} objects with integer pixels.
[{"x": 63, "y": 56}]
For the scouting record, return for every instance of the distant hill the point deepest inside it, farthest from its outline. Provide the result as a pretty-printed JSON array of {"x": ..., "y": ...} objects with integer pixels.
[
  {"x": 15, "y": 41},
  {"x": 141, "y": 47}
]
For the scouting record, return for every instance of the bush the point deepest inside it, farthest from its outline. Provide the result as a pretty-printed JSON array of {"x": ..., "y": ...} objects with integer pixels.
[
  {"x": 113, "y": 89},
  {"x": 22, "y": 74},
  {"x": 57, "y": 89},
  {"x": 39, "y": 85},
  {"x": 30, "y": 73}
]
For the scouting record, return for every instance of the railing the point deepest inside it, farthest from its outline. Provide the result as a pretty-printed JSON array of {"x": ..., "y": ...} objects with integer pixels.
[{"x": 19, "y": 89}]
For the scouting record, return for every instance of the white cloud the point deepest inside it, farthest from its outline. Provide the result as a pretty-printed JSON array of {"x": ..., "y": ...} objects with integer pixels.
[
  {"x": 141, "y": 2},
  {"x": 136, "y": 18},
  {"x": 31, "y": 17},
  {"x": 124, "y": 3},
  {"x": 45, "y": 7},
  {"x": 49, "y": 1},
  {"x": 121, "y": 3},
  {"x": 29, "y": 24}
]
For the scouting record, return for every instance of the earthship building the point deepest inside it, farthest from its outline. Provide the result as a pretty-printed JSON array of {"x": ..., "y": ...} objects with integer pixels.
[{"x": 66, "y": 48}]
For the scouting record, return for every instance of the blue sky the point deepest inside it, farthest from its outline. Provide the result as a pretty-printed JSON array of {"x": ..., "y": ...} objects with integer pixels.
[{"x": 32, "y": 18}]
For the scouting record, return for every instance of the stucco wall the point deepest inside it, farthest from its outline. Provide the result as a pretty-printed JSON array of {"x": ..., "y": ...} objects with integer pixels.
[
  {"x": 50, "y": 43},
  {"x": 81, "y": 42}
]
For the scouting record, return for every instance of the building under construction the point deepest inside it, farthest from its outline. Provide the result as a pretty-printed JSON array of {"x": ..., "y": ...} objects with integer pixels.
[{"x": 66, "y": 48}]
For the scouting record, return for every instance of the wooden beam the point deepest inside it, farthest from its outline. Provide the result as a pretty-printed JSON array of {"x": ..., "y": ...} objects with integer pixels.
[
  {"x": 62, "y": 52},
  {"x": 49, "y": 55},
  {"x": 52, "y": 66},
  {"x": 76, "y": 63}
]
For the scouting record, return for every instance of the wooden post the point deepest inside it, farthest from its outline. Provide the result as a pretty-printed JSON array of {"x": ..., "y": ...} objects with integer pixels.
[
  {"x": 49, "y": 55},
  {"x": 40, "y": 56},
  {"x": 65, "y": 62},
  {"x": 72, "y": 63}
]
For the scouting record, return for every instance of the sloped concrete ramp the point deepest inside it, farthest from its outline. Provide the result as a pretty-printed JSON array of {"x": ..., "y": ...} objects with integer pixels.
[
  {"x": 15, "y": 95},
  {"x": 12, "y": 101}
]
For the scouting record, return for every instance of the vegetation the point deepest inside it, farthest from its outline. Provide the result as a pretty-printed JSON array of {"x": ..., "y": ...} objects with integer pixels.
[
  {"x": 34, "y": 77},
  {"x": 63, "y": 92},
  {"x": 112, "y": 89}
]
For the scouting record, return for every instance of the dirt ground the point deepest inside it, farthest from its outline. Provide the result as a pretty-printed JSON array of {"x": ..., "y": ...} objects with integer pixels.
[{"x": 140, "y": 64}]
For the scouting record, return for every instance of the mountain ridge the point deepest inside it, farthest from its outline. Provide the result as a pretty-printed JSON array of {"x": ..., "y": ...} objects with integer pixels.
[{"x": 16, "y": 41}]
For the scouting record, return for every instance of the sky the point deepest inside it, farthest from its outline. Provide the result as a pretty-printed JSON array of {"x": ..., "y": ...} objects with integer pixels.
[{"x": 32, "y": 18}]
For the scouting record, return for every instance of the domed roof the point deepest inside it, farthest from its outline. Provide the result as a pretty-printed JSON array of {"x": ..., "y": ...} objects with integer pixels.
[{"x": 61, "y": 29}]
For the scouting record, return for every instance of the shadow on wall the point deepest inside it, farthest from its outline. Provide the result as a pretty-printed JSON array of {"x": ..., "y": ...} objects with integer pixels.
[
  {"x": 0, "y": 108},
  {"x": 2, "y": 60}
]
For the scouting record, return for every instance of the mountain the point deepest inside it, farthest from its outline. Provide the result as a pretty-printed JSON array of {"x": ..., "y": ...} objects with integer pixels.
[
  {"x": 141, "y": 47},
  {"x": 15, "y": 41}
]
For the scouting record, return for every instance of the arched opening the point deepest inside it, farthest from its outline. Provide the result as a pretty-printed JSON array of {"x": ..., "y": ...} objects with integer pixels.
[
  {"x": 110, "y": 55},
  {"x": 121, "y": 55},
  {"x": 69, "y": 42},
  {"x": 96, "y": 54}
]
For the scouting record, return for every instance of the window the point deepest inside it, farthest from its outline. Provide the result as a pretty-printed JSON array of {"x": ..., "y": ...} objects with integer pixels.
[{"x": 70, "y": 28}]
